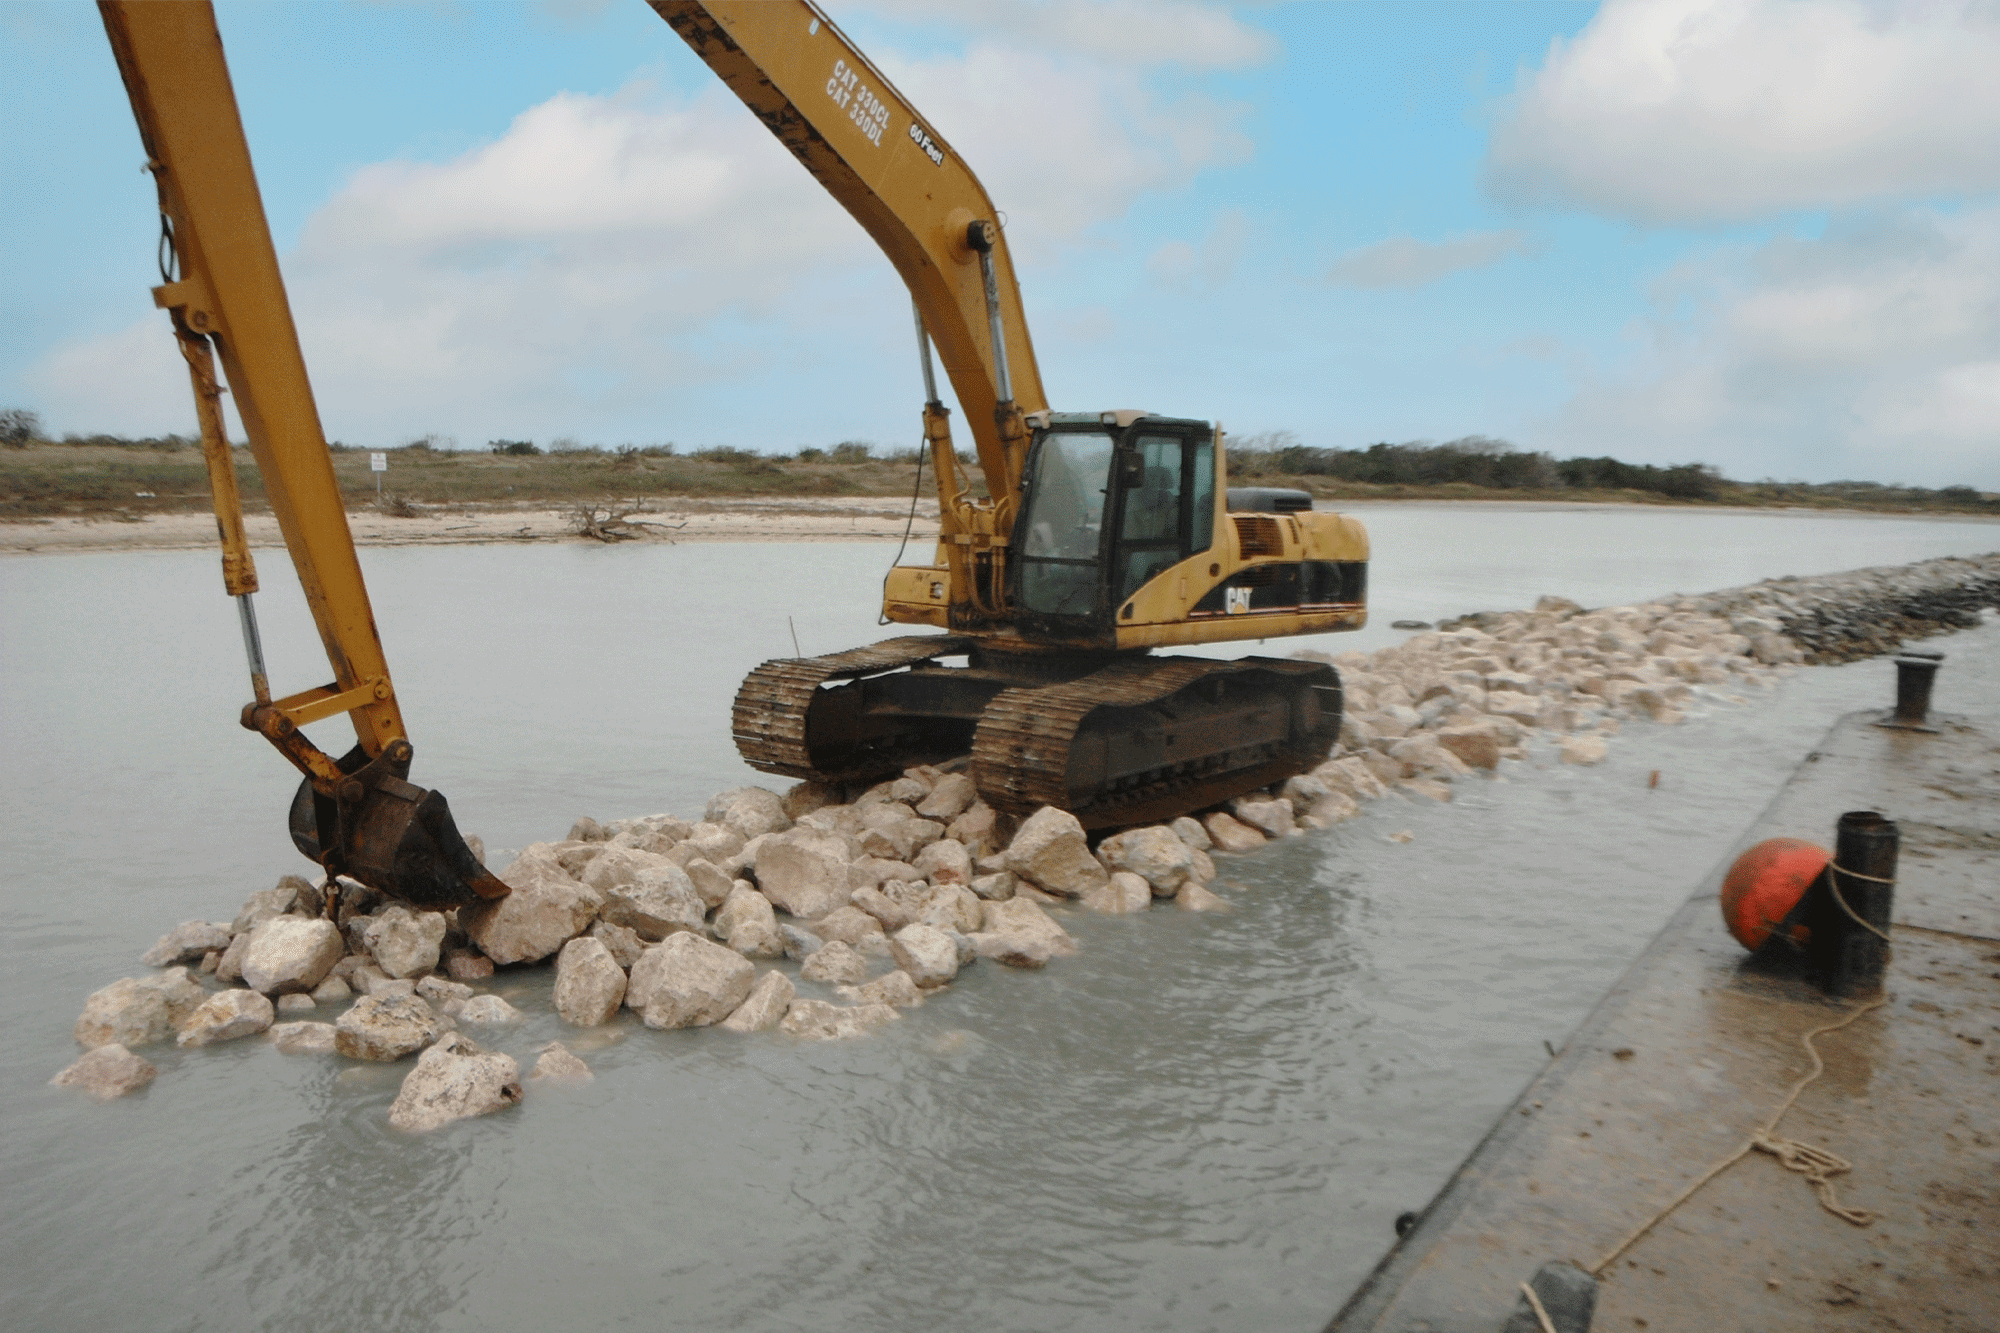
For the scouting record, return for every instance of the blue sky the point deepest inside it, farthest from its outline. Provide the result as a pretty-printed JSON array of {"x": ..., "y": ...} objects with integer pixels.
[{"x": 1762, "y": 234}]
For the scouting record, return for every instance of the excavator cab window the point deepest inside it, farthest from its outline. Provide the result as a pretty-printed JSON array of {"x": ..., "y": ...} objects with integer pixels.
[{"x": 1105, "y": 513}]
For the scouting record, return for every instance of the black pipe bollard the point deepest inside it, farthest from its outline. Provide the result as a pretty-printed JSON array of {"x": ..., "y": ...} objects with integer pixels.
[
  {"x": 1847, "y": 956},
  {"x": 1914, "y": 674}
]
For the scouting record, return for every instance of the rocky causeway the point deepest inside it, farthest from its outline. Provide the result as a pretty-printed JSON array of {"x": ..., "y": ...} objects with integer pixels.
[{"x": 819, "y": 913}]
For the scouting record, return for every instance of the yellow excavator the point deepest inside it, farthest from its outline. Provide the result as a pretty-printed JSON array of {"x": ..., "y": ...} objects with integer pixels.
[{"x": 1100, "y": 536}]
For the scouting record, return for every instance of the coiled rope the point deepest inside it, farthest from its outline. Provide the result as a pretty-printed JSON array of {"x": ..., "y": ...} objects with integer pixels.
[{"x": 1816, "y": 1164}]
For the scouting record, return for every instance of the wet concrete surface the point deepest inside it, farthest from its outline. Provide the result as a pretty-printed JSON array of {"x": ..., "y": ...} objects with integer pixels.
[{"x": 1697, "y": 1045}]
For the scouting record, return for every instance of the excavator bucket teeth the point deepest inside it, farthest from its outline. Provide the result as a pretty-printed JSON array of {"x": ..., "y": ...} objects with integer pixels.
[{"x": 400, "y": 840}]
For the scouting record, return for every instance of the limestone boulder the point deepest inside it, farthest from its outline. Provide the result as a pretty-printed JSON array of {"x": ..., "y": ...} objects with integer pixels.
[
  {"x": 291, "y": 953},
  {"x": 849, "y": 925},
  {"x": 891, "y": 988},
  {"x": 441, "y": 994},
  {"x": 1584, "y": 750},
  {"x": 945, "y": 861},
  {"x": 107, "y": 1072},
  {"x": 467, "y": 965},
  {"x": 950, "y": 796},
  {"x": 1156, "y": 854},
  {"x": 997, "y": 887},
  {"x": 892, "y": 910},
  {"x": 1304, "y": 791},
  {"x": 334, "y": 990},
  {"x": 1230, "y": 834},
  {"x": 281, "y": 898},
  {"x": 713, "y": 842},
  {"x": 688, "y": 982},
  {"x": 803, "y": 798},
  {"x": 298, "y": 1002},
  {"x": 1126, "y": 892},
  {"x": 1525, "y": 709},
  {"x": 899, "y": 839},
  {"x": 874, "y": 872},
  {"x": 615, "y": 867},
  {"x": 387, "y": 1028},
  {"x": 590, "y": 986},
  {"x": 751, "y": 811},
  {"x": 803, "y": 871},
  {"x": 488, "y": 1011},
  {"x": 1189, "y": 830},
  {"x": 1020, "y": 934},
  {"x": 977, "y": 829},
  {"x": 926, "y": 953},
  {"x": 800, "y": 943},
  {"x": 1051, "y": 852},
  {"x": 128, "y": 1013},
  {"x": 764, "y": 1008},
  {"x": 455, "y": 1079},
  {"x": 187, "y": 943},
  {"x": 747, "y": 923},
  {"x": 558, "y": 1064},
  {"x": 546, "y": 910},
  {"x": 406, "y": 943},
  {"x": 226, "y": 1016},
  {"x": 302, "y": 1038},
  {"x": 835, "y": 962},
  {"x": 1274, "y": 819},
  {"x": 952, "y": 907},
  {"x": 1194, "y": 898},
  {"x": 711, "y": 885},
  {"x": 818, "y": 1020},
  {"x": 1474, "y": 746},
  {"x": 661, "y": 901},
  {"x": 622, "y": 942}
]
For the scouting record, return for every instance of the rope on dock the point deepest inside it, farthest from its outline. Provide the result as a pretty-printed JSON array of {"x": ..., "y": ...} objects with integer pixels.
[
  {"x": 1815, "y": 1164},
  {"x": 1833, "y": 883},
  {"x": 1541, "y": 1314}
]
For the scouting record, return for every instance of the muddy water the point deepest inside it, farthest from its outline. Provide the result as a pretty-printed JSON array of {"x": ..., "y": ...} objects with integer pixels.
[{"x": 1195, "y": 1123}]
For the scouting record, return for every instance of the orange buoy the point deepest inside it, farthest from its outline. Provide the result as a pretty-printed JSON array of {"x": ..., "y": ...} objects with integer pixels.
[{"x": 1766, "y": 883}]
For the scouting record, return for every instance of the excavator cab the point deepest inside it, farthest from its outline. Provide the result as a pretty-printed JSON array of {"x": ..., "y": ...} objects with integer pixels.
[{"x": 1110, "y": 501}]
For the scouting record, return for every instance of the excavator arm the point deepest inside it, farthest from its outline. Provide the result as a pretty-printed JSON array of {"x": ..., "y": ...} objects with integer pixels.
[{"x": 357, "y": 815}]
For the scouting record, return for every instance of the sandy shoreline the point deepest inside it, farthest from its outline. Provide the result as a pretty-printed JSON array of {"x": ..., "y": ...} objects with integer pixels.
[{"x": 763, "y": 519}]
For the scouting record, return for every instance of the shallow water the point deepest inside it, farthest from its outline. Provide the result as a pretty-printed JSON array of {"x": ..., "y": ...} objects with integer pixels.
[{"x": 1198, "y": 1122}]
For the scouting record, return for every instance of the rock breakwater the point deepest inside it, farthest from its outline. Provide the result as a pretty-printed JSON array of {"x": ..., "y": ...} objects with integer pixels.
[{"x": 820, "y": 913}]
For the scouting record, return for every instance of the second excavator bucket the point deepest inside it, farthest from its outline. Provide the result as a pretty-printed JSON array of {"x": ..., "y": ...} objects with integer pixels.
[{"x": 393, "y": 836}]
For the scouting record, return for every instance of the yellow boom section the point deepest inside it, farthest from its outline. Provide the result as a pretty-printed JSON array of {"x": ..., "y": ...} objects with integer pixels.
[
  {"x": 229, "y": 290},
  {"x": 867, "y": 145}
]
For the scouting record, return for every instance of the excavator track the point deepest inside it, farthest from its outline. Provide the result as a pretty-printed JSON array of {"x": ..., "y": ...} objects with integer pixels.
[
  {"x": 1132, "y": 740},
  {"x": 1146, "y": 739},
  {"x": 771, "y": 715}
]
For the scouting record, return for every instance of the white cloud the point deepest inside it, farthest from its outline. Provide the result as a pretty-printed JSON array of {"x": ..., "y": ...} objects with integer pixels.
[
  {"x": 1870, "y": 352},
  {"x": 1702, "y": 111},
  {"x": 1211, "y": 262},
  {"x": 1404, "y": 261},
  {"x": 1122, "y": 32},
  {"x": 657, "y": 258}
]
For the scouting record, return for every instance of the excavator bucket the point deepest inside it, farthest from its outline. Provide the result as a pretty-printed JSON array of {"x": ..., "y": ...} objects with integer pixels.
[{"x": 397, "y": 838}]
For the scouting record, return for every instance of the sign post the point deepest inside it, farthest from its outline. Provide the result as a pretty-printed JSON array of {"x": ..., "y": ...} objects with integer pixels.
[{"x": 378, "y": 463}]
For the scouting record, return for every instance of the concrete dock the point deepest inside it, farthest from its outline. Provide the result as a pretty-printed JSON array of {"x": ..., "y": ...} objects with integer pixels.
[{"x": 1697, "y": 1045}]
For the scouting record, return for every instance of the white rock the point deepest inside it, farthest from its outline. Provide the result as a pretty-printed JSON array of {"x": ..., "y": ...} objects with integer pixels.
[
  {"x": 438, "y": 992},
  {"x": 1525, "y": 709},
  {"x": 1230, "y": 834},
  {"x": 1194, "y": 898},
  {"x": 835, "y": 961},
  {"x": 1583, "y": 749},
  {"x": 950, "y": 796},
  {"x": 617, "y": 867},
  {"x": 1050, "y": 851},
  {"x": 291, "y": 953},
  {"x": 107, "y": 1072},
  {"x": 187, "y": 943},
  {"x": 264, "y": 904},
  {"x": 387, "y": 1028},
  {"x": 489, "y": 1011},
  {"x": 622, "y": 941},
  {"x": 805, "y": 797},
  {"x": 1189, "y": 830},
  {"x": 661, "y": 901},
  {"x": 711, "y": 885},
  {"x": 455, "y": 1080},
  {"x": 751, "y": 811},
  {"x": 546, "y": 910},
  {"x": 803, "y": 871},
  {"x": 978, "y": 829},
  {"x": 926, "y": 953},
  {"x": 1157, "y": 855},
  {"x": 1271, "y": 818},
  {"x": 765, "y": 1006},
  {"x": 817, "y": 1020},
  {"x": 849, "y": 925},
  {"x": 303, "y": 1038},
  {"x": 893, "y": 911},
  {"x": 945, "y": 861},
  {"x": 295, "y": 1003},
  {"x": 688, "y": 982},
  {"x": 590, "y": 986},
  {"x": 997, "y": 887},
  {"x": 1020, "y": 934},
  {"x": 891, "y": 988},
  {"x": 949, "y": 907},
  {"x": 558, "y": 1065},
  {"x": 1126, "y": 892},
  {"x": 225, "y": 1016},
  {"x": 137, "y": 1011},
  {"x": 1475, "y": 746},
  {"x": 405, "y": 943},
  {"x": 748, "y": 925},
  {"x": 332, "y": 991}
]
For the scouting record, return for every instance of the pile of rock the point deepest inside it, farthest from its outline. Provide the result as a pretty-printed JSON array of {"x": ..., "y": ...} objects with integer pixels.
[{"x": 879, "y": 898}]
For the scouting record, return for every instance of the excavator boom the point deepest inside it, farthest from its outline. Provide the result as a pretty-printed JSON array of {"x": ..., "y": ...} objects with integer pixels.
[{"x": 357, "y": 815}]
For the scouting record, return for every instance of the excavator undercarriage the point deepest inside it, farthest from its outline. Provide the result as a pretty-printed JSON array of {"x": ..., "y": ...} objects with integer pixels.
[{"x": 1116, "y": 739}]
